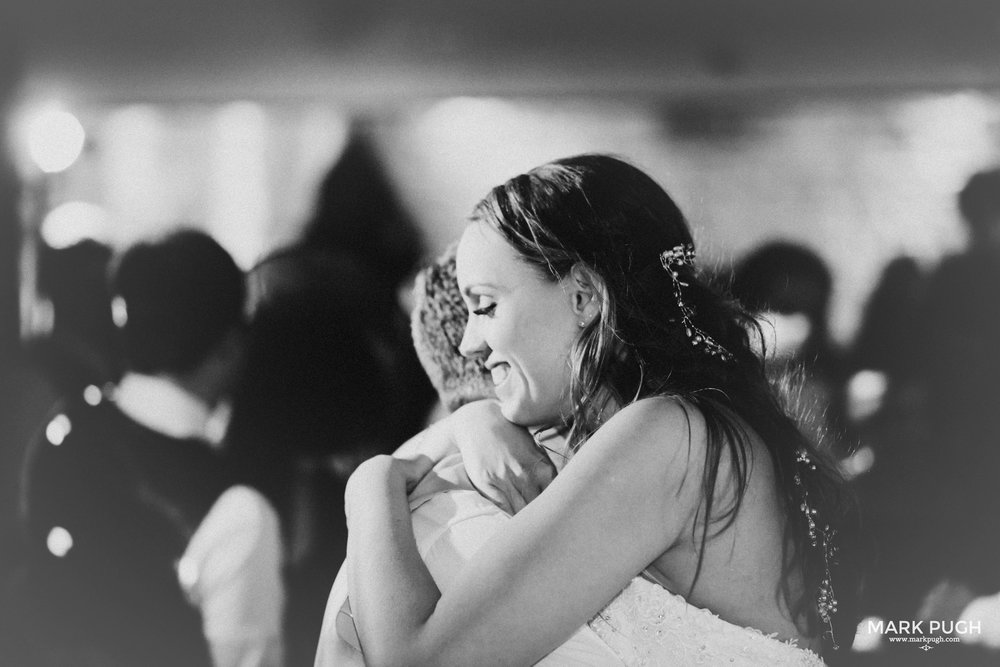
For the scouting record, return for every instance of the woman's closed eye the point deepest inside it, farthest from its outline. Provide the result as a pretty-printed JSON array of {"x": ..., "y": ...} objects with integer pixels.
[{"x": 485, "y": 310}]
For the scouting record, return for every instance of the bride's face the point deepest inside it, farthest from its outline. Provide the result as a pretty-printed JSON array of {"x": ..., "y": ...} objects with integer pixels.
[{"x": 522, "y": 324}]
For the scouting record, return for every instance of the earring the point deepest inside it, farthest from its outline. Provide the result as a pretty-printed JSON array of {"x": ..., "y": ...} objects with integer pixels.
[{"x": 582, "y": 324}]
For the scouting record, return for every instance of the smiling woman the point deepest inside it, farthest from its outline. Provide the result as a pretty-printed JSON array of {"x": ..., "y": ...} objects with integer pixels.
[
  {"x": 522, "y": 324},
  {"x": 693, "y": 522}
]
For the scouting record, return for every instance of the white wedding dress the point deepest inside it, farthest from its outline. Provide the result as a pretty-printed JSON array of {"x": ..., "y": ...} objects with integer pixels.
[
  {"x": 645, "y": 624},
  {"x": 648, "y": 625}
]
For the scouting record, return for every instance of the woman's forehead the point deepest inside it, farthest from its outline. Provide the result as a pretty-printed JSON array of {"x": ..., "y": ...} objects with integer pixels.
[{"x": 483, "y": 256}]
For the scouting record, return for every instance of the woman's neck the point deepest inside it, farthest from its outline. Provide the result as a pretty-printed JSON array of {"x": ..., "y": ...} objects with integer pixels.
[{"x": 555, "y": 445}]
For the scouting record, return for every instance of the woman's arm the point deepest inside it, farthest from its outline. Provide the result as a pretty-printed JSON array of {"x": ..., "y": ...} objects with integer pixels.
[{"x": 619, "y": 504}]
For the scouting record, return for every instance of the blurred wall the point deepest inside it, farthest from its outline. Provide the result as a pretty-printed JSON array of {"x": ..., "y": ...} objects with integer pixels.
[
  {"x": 860, "y": 178},
  {"x": 848, "y": 126}
]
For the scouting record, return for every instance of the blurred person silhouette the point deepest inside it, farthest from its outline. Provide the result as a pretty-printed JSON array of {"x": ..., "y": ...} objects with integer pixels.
[
  {"x": 78, "y": 350},
  {"x": 885, "y": 340},
  {"x": 886, "y": 402},
  {"x": 960, "y": 364},
  {"x": 318, "y": 396},
  {"x": 962, "y": 322},
  {"x": 789, "y": 287},
  {"x": 451, "y": 517},
  {"x": 358, "y": 214},
  {"x": 142, "y": 549},
  {"x": 69, "y": 350},
  {"x": 884, "y": 398}
]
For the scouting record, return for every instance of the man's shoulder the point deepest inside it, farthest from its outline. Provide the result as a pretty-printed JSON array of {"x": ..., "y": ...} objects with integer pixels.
[
  {"x": 241, "y": 513},
  {"x": 238, "y": 543},
  {"x": 455, "y": 506},
  {"x": 450, "y": 527}
]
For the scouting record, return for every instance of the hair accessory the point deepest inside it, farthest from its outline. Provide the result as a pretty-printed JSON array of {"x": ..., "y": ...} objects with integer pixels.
[
  {"x": 826, "y": 602},
  {"x": 682, "y": 255}
]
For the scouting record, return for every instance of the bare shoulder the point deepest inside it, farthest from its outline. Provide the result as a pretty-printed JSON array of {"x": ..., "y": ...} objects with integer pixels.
[
  {"x": 659, "y": 441},
  {"x": 666, "y": 424},
  {"x": 666, "y": 411}
]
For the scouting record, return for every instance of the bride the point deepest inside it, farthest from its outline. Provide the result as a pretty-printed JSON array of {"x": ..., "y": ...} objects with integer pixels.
[{"x": 693, "y": 521}]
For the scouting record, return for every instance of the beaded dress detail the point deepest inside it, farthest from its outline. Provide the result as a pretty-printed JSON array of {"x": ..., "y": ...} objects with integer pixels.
[{"x": 648, "y": 625}]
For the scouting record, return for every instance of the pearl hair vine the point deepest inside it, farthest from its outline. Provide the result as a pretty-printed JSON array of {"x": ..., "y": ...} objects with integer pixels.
[
  {"x": 819, "y": 538},
  {"x": 683, "y": 255}
]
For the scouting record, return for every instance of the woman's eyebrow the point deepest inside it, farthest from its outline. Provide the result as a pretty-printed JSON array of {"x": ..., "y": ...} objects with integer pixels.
[{"x": 469, "y": 289}]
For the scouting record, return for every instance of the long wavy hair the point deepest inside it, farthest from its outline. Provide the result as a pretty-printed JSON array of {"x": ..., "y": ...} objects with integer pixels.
[{"x": 602, "y": 213}]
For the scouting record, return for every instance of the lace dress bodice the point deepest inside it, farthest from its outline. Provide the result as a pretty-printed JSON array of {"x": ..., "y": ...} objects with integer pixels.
[{"x": 648, "y": 625}]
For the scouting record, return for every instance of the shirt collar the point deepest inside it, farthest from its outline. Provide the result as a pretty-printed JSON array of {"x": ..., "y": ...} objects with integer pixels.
[{"x": 161, "y": 405}]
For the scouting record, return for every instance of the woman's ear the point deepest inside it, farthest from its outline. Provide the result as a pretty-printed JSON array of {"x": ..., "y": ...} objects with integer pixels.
[{"x": 586, "y": 291}]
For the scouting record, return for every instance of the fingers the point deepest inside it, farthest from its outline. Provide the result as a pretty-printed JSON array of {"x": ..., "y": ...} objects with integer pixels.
[
  {"x": 503, "y": 493},
  {"x": 513, "y": 483},
  {"x": 529, "y": 484},
  {"x": 536, "y": 479},
  {"x": 518, "y": 501},
  {"x": 528, "y": 488},
  {"x": 493, "y": 492}
]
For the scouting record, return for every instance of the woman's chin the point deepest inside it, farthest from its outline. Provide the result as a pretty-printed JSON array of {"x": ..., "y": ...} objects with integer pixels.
[
  {"x": 512, "y": 412},
  {"x": 517, "y": 412}
]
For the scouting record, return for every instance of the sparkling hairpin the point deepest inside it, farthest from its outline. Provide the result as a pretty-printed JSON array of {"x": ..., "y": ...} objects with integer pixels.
[
  {"x": 819, "y": 538},
  {"x": 682, "y": 255}
]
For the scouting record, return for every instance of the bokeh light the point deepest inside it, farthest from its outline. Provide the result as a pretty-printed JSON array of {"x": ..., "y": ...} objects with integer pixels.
[
  {"x": 59, "y": 541},
  {"x": 72, "y": 222},
  {"x": 58, "y": 429},
  {"x": 55, "y": 140},
  {"x": 93, "y": 395}
]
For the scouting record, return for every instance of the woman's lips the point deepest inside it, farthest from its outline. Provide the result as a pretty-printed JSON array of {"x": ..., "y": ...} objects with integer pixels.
[{"x": 500, "y": 373}]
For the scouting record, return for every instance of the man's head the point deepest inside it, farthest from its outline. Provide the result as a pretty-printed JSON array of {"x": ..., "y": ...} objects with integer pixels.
[
  {"x": 979, "y": 203},
  {"x": 177, "y": 302},
  {"x": 790, "y": 286},
  {"x": 438, "y": 323}
]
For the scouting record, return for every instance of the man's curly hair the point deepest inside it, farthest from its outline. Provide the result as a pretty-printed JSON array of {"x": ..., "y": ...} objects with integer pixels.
[{"x": 438, "y": 323}]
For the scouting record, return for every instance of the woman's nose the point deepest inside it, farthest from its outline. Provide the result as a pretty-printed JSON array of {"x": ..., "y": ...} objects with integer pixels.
[{"x": 473, "y": 344}]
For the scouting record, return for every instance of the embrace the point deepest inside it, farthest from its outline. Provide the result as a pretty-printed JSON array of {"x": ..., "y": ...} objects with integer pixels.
[{"x": 690, "y": 521}]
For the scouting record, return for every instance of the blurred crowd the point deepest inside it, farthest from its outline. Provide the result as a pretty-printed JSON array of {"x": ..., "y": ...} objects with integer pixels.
[{"x": 185, "y": 429}]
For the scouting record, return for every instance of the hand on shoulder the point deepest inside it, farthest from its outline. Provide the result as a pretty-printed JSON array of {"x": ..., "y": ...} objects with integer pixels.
[{"x": 502, "y": 459}]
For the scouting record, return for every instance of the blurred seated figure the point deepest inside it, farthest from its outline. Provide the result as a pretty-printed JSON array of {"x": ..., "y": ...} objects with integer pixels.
[
  {"x": 789, "y": 287},
  {"x": 142, "y": 550},
  {"x": 319, "y": 394}
]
